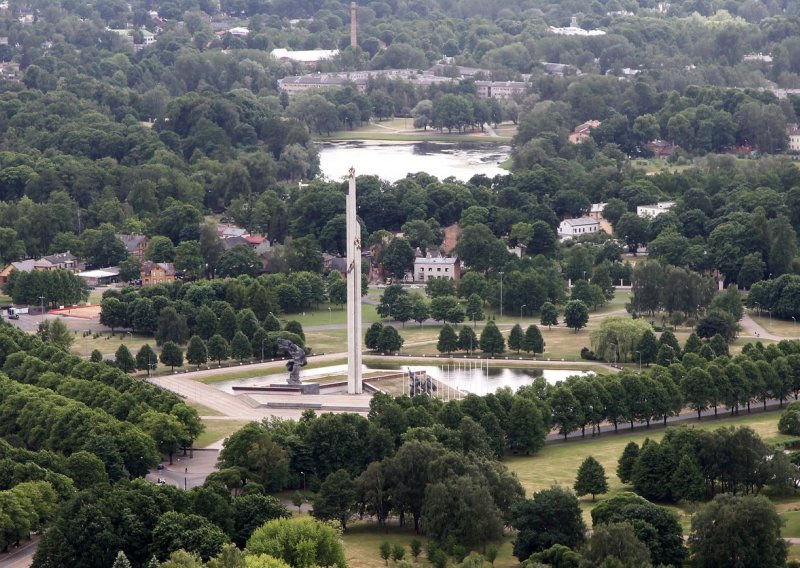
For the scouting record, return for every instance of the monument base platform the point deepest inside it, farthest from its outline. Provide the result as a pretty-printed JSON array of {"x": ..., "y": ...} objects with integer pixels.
[{"x": 282, "y": 388}]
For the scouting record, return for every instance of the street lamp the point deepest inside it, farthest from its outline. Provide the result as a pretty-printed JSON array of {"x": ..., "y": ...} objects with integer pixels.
[
  {"x": 474, "y": 324},
  {"x": 759, "y": 307},
  {"x": 330, "y": 317},
  {"x": 501, "y": 293},
  {"x": 262, "y": 349},
  {"x": 794, "y": 320},
  {"x": 520, "y": 311},
  {"x": 640, "y": 361},
  {"x": 303, "y": 473},
  {"x": 42, "y": 299},
  {"x": 769, "y": 311}
]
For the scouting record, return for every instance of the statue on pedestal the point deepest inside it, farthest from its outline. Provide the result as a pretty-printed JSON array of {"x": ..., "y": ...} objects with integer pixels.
[{"x": 298, "y": 360}]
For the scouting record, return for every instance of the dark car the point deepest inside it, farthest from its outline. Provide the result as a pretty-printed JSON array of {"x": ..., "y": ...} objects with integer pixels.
[
  {"x": 160, "y": 466},
  {"x": 13, "y": 317}
]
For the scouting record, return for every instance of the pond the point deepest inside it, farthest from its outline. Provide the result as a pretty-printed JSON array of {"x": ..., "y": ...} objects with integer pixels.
[
  {"x": 466, "y": 377},
  {"x": 392, "y": 161}
]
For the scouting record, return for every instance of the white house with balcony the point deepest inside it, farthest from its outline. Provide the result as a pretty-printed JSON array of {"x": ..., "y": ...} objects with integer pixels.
[
  {"x": 654, "y": 210},
  {"x": 573, "y": 228},
  {"x": 429, "y": 267}
]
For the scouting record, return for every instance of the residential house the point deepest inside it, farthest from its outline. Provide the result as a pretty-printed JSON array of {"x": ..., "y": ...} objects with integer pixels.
[
  {"x": 572, "y": 228},
  {"x": 661, "y": 148},
  {"x": 794, "y": 137},
  {"x": 574, "y": 30},
  {"x": 654, "y": 210},
  {"x": 157, "y": 273},
  {"x": 21, "y": 266},
  {"x": 63, "y": 261},
  {"x": 136, "y": 245},
  {"x": 582, "y": 131},
  {"x": 596, "y": 211},
  {"x": 332, "y": 262},
  {"x": 429, "y": 267}
]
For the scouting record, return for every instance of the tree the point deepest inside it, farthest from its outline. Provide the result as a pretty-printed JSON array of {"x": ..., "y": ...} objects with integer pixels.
[
  {"x": 189, "y": 259},
  {"x": 447, "y": 308},
  {"x": 633, "y": 230},
  {"x": 549, "y": 315},
  {"x": 167, "y": 431},
  {"x": 193, "y": 533},
  {"x": 121, "y": 561},
  {"x": 698, "y": 389},
  {"x": 552, "y": 516},
  {"x": 336, "y": 498},
  {"x": 172, "y": 355},
  {"x": 124, "y": 360},
  {"x": 228, "y": 324},
  {"x": 385, "y": 551},
  {"x": 448, "y": 340},
  {"x": 389, "y": 340},
  {"x": 687, "y": 480},
  {"x": 130, "y": 269},
  {"x": 420, "y": 309},
  {"x": 647, "y": 348},
  {"x": 239, "y": 260},
  {"x": 591, "y": 478},
  {"x": 160, "y": 249},
  {"x": 300, "y": 542},
  {"x": 240, "y": 347},
  {"x": 576, "y": 315},
  {"x": 55, "y": 333},
  {"x": 516, "y": 338},
  {"x": 533, "y": 342},
  {"x": 217, "y": 348},
  {"x": 196, "y": 352},
  {"x": 626, "y": 462},
  {"x": 467, "y": 340},
  {"x": 526, "y": 427},
  {"x": 96, "y": 356},
  {"x": 172, "y": 327},
  {"x": 617, "y": 542},
  {"x": 397, "y": 258},
  {"x": 372, "y": 334},
  {"x": 146, "y": 359},
  {"x": 736, "y": 530},
  {"x": 492, "y": 340}
]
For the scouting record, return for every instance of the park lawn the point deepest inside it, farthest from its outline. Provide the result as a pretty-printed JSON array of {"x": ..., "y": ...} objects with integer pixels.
[
  {"x": 323, "y": 316},
  {"x": 794, "y": 552},
  {"x": 204, "y": 410},
  {"x": 658, "y": 165},
  {"x": 362, "y": 542},
  {"x": 558, "y": 463},
  {"x": 217, "y": 430},
  {"x": 108, "y": 344},
  {"x": 777, "y": 326}
]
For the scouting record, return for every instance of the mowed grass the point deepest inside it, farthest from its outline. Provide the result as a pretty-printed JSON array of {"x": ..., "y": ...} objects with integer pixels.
[
  {"x": 108, "y": 344},
  {"x": 250, "y": 372},
  {"x": 785, "y": 328},
  {"x": 362, "y": 542},
  {"x": 217, "y": 430},
  {"x": 204, "y": 410},
  {"x": 557, "y": 463},
  {"x": 323, "y": 316}
]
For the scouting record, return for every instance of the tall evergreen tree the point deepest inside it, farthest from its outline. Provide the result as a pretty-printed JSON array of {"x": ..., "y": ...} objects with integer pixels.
[
  {"x": 591, "y": 478},
  {"x": 533, "y": 341},
  {"x": 492, "y": 340},
  {"x": 626, "y": 462},
  {"x": 146, "y": 359},
  {"x": 124, "y": 360},
  {"x": 647, "y": 348},
  {"x": 515, "y": 338},
  {"x": 467, "y": 339},
  {"x": 448, "y": 340}
]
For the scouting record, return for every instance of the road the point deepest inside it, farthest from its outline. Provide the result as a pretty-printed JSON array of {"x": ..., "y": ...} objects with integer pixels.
[{"x": 21, "y": 557}]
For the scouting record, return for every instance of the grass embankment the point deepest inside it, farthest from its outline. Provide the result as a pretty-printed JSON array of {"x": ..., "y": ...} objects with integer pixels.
[
  {"x": 217, "y": 430},
  {"x": 402, "y": 130}
]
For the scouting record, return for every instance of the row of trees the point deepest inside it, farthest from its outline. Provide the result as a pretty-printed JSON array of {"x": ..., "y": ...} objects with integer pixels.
[{"x": 696, "y": 465}]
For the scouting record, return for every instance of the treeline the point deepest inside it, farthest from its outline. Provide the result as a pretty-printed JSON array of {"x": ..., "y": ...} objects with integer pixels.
[
  {"x": 52, "y": 288},
  {"x": 695, "y": 465}
]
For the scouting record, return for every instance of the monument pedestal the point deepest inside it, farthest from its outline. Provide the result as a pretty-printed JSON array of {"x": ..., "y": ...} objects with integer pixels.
[{"x": 305, "y": 388}]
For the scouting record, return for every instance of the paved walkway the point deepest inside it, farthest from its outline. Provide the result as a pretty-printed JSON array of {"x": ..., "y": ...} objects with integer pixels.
[{"x": 752, "y": 329}]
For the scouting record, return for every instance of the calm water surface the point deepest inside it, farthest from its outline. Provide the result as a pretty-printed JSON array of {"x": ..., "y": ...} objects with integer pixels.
[
  {"x": 392, "y": 161},
  {"x": 465, "y": 376}
]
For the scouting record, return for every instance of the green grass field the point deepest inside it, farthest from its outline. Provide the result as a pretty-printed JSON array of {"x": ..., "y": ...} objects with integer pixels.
[
  {"x": 786, "y": 328},
  {"x": 108, "y": 344},
  {"x": 402, "y": 130},
  {"x": 217, "y": 430}
]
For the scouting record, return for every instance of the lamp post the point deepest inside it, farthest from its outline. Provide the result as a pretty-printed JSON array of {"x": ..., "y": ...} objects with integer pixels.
[
  {"x": 42, "y": 300},
  {"x": 474, "y": 324},
  {"x": 794, "y": 320},
  {"x": 330, "y": 317},
  {"x": 520, "y": 311},
  {"x": 303, "y": 473},
  {"x": 769, "y": 311},
  {"x": 640, "y": 360},
  {"x": 262, "y": 349},
  {"x": 501, "y": 293},
  {"x": 758, "y": 306}
]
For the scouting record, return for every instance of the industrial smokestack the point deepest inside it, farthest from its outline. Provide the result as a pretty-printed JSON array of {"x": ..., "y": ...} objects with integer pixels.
[{"x": 353, "y": 24}]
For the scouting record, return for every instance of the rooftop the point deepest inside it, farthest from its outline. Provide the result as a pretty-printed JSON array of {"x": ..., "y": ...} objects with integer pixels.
[{"x": 580, "y": 221}]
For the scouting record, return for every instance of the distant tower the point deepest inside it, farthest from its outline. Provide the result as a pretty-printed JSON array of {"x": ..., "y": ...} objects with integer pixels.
[{"x": 353, "y": 24}]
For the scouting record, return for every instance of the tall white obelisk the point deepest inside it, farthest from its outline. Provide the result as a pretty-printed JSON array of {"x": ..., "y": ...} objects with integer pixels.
[{"x": 353, "y": 290}]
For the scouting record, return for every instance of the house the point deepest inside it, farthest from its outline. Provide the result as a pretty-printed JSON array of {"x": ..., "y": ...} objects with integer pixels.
[
  {"x": 9, "y": 70},
  {"x": 21, "y": 266},
  {"x": 157, "y": 273},
  {"x": 136, "y": 245},
  {"x": 582, "y": 131},
  {"x": 332, "y": 262},
  {"x": 794, "y": 137},
  {"x": 596, "y": 211},
  {"x": 654, "y": 210},
  {"x": 574, "y": 30},
  {"x": 63, "y": 261},
  {"x": 429, "y": 267},
  {"x": 225, "y": 231},
  {"x": 661, "y": 148},
  {"x": 232, "y": 242},
  {"x": 499, "y": 89},
  {"x": 572, "y": 228}
]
